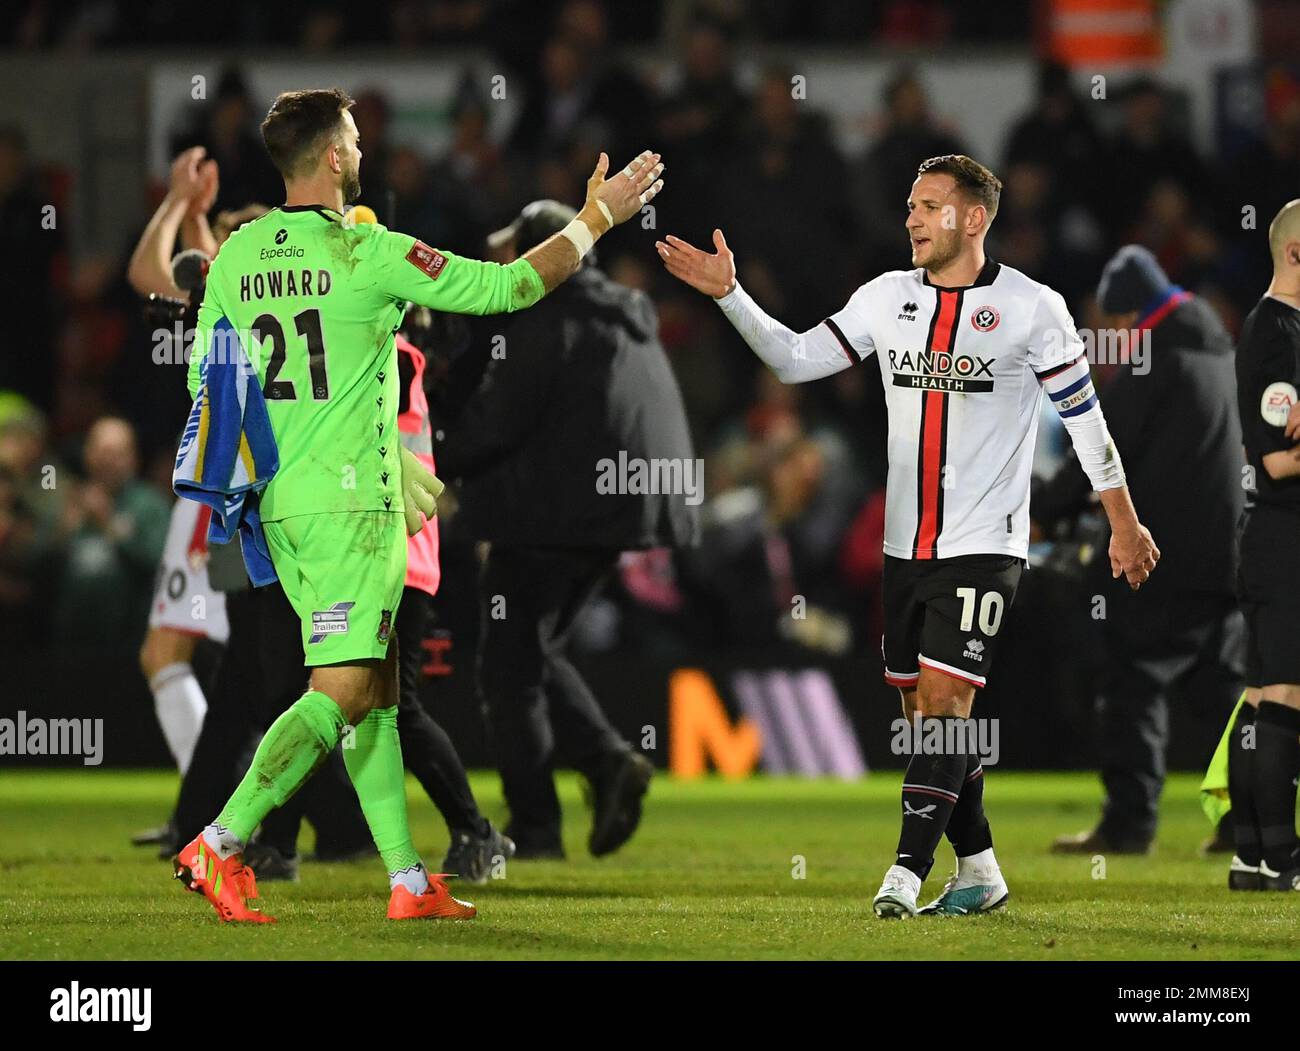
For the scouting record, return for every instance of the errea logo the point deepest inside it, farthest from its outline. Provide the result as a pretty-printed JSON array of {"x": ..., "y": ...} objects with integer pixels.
[
  {"x": 908, "y": 312},
  {"x": 974, "y": 650}
]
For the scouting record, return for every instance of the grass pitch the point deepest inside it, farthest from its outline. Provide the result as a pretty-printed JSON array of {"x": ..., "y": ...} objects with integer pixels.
[{"x": 711, "y": 875}]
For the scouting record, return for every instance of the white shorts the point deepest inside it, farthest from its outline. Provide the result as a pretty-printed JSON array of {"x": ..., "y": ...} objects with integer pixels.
[{"x": 183, "y": 599}]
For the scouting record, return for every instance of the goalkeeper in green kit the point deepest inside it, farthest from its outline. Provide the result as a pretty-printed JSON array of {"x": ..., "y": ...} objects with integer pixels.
[{"x": 315, "y": 301}]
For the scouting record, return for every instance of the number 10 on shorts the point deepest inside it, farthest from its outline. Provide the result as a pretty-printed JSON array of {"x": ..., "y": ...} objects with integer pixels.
[{"x": 990, "y": 610}]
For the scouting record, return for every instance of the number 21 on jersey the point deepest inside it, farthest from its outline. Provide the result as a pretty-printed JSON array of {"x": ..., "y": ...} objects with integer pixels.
[{"x": 307, "y": 323}]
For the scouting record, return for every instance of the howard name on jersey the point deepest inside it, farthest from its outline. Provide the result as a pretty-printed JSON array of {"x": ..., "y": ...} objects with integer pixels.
[
  {"x": 315, "y": 302},
  {"x": 964, "y": 371}
]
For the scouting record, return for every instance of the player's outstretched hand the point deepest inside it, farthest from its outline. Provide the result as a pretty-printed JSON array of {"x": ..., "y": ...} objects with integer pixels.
[
  {"x": 1134, "y": 555},
  {"x": 714, "y": 274},
  {"x": 624, "y": 195}
]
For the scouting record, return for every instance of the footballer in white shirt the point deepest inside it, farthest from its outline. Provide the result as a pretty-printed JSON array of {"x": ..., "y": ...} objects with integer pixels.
[{"x": 966, "y": 349}]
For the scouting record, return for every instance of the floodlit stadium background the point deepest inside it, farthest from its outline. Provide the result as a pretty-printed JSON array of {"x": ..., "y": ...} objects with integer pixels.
[{"x": 794, "y": 126}]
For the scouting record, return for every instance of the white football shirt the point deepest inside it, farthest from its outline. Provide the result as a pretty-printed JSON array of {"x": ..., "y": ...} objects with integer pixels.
[{"x": 964, "y": 371}]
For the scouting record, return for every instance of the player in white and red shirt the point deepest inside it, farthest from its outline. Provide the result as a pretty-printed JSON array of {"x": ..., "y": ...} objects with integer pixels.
[{"x": 966, "y": 348}]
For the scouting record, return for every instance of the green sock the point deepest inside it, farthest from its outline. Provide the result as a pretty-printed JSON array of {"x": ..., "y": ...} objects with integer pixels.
[
  {"x": 293, "y": 747},
  {"x": 374, "y": 763}
]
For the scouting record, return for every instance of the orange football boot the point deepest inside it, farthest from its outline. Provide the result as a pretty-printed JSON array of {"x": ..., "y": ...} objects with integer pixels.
[
  {"x": 229, "y": 885},
  {"x": 436, "y": 903}
]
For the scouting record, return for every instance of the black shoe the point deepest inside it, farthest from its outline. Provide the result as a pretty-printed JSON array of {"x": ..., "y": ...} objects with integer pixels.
[
  {"x": 270, "y": 864},
  {"x": 1287, "y": 879},
  {"x": 151, "y": 837},
  {"x": 535, "y": 846},
  {"x": 1242, "y": 876},
  {"x": 1097, "y": 842},
  {"x": 616, "y": 801},
  {"x": 473, "y": 858}
]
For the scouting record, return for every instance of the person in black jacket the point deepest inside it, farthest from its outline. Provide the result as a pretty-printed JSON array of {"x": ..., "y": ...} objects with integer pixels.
[
  {"x": 577, "y": 409},
  {"x": 1174, "y": 410},
  {"x": 1264, "y": 742}
]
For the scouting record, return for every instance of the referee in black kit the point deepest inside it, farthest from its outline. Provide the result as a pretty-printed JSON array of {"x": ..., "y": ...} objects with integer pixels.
[
  {"x": 1264, "y": 753},
  {"x": 1182, "y": 637},
  {"x": 584, "y": 382}
]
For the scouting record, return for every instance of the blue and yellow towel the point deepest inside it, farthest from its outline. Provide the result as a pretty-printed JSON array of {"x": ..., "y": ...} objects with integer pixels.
[{"x": 228, "y": 454}]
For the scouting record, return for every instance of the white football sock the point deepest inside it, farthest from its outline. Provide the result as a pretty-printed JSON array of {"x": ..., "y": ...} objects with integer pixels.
[
  {"x": 414, "y": 878},
  {"x": 908, "y": 879},
  {"x": 977, "y": 866},
  {"x": 222, "y": 840},
  {"x": 179, "y": 702}
]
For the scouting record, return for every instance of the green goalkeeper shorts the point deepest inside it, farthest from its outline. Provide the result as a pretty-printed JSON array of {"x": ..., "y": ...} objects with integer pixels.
[{"x": 343, "y": 573}]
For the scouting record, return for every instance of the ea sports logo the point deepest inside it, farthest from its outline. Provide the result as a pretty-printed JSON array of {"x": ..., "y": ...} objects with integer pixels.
[
  {"x": 281, "y": 236},
  {"x": 985, "y": 319},
  {"x": 1275, "y": 405}
]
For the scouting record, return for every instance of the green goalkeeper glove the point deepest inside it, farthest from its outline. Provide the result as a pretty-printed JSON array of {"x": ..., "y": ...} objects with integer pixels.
[{"x": 420, "y": 492}]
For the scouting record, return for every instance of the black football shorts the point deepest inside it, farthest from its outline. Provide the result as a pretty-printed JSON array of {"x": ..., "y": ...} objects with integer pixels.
[
  {"x": 946, "y": 614},
  {"x": 1268, "y": 591}
]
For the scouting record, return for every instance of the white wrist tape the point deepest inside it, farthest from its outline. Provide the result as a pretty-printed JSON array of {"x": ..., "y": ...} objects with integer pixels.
[
  {"x": 579, "y": 234},
  {"x": 604, "y": 210}
]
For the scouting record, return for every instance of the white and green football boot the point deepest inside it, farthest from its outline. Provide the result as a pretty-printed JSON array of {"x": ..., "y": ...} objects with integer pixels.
[
  {"x": 896, "y": 899},
  {"x": 976, "y": 886}
]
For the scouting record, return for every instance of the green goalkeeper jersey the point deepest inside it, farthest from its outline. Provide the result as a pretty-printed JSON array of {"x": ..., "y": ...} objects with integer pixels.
[{"x": 315, "y": 303}]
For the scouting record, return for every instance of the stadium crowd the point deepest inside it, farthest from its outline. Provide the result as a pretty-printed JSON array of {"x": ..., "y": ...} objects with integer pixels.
[{"x": 794, "y": 475}]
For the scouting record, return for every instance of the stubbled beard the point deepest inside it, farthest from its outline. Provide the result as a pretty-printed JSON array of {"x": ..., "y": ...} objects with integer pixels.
[
  {"x": 351, "y": 186},
  {"x": 942, "y": 253}
]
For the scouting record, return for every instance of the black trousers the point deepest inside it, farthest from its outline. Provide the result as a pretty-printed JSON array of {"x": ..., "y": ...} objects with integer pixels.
[
  {"x": 261, "y": 674},
  {"x": 529, "y": 600},
  {"x": 427, "y": 752},
  {"x": 1189, "y": 648}
]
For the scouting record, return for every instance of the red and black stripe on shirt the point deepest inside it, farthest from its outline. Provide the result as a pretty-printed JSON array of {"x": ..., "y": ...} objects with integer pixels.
[{"x": 932, "y": 451}]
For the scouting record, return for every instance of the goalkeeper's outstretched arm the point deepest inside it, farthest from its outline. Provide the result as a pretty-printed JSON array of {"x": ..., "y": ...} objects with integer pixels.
[
  {"x": 408, "y": 269},
  {"x": 609, "y": 202}
]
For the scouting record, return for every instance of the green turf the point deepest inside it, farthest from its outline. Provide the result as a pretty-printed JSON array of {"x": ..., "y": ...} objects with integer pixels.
[{"x": 710, "y": 875}]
